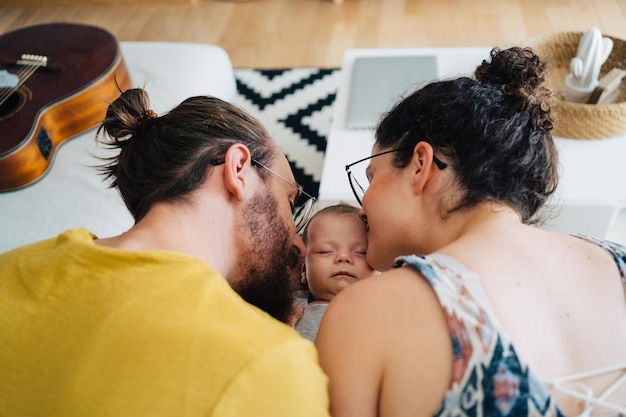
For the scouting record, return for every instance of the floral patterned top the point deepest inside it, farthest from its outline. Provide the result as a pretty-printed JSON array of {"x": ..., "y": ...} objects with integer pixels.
[{"x": 488, "y": 377}]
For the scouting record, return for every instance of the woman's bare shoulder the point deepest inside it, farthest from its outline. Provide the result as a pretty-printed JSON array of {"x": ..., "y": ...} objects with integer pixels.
[
  {"x": 401, "y": 283},
  {"x": 386, "y": 338},
  {"x": 399, "y": 300}
]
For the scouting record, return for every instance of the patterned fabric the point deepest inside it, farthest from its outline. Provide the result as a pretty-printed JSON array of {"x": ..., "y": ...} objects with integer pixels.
[
  {"x": 489, "y": 379},
  {"x": 295, "y": 105}
]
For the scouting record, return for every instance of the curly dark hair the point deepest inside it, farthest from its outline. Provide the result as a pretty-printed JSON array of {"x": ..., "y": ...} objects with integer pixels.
[
  {"x": 165, "y": 158},
  {"x": 494, "y": 130}
]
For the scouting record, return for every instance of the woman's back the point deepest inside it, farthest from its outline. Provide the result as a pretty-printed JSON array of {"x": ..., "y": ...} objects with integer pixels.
[
  {"x": 561, "y": 301},
  {"x": 563, "y": 312}
]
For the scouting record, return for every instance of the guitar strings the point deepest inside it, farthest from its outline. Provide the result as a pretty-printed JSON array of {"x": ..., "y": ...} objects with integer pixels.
[{"x": 23, "y": 74}]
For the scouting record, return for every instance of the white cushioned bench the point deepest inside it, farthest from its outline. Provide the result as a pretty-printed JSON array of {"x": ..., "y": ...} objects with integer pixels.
[{"x": 72, "y": 193}]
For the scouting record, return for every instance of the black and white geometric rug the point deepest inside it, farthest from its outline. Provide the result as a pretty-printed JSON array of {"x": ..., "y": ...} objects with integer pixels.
[{"x": 295, "y": 105}]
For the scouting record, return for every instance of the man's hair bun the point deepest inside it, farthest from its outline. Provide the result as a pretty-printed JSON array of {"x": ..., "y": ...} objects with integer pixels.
[{"x": 127, "y": 114}]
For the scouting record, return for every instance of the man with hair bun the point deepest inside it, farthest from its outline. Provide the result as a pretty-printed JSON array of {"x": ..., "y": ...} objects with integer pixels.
[
  {"x": 476, "y": 311},
  {"x": 167, "y": 318}
]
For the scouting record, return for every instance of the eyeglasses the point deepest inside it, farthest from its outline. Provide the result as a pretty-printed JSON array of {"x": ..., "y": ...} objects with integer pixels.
[
  {"x": 303, "y": 204},
  {"x": 358, "y": 178}
]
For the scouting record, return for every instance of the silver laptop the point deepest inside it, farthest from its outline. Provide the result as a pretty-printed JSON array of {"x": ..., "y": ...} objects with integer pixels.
[{"x": 379, "y": 82}]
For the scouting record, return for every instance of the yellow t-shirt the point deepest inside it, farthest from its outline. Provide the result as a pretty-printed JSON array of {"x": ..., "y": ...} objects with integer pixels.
[{"x": 93, "y": 331}]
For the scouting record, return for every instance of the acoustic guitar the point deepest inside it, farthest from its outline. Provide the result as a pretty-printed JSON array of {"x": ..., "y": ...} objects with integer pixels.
[{"x": 56, "y": 81}]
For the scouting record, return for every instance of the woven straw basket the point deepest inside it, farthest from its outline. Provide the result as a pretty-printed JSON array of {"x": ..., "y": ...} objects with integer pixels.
[{"x": 578, "y": 120}]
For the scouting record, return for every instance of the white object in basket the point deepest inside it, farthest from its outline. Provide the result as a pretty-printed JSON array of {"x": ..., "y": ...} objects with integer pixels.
[{"x": 593, "y": 50}]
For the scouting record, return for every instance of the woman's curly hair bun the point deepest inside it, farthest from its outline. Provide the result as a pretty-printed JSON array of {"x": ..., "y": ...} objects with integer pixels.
[{"x": 521, "y": 75}]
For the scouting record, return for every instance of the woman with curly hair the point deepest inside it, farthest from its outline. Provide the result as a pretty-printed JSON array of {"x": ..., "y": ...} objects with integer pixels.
[{"x": 477, "y": 312}]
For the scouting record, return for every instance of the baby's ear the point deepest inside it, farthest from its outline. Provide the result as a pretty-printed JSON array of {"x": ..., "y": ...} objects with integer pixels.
[{"x": 303, "y": 273}]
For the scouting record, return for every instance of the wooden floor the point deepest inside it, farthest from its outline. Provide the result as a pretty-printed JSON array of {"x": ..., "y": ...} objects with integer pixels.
[{"x": 288, "y": 33}]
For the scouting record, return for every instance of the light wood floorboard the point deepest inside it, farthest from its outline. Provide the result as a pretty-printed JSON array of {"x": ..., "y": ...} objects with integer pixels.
[{"x": 289, "y": 33}]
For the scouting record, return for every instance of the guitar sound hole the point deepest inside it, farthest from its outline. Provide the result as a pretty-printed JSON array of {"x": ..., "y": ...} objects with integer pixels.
[{"x": 15, "y": 102}]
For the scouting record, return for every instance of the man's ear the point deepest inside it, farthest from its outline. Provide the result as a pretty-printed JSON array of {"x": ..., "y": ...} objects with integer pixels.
[
  {"x": 422, "y": 165},
  {"x": 237, "y": 167}
]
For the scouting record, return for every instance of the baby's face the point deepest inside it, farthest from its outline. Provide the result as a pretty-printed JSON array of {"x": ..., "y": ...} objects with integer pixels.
[{"x": 335, "y": 254}]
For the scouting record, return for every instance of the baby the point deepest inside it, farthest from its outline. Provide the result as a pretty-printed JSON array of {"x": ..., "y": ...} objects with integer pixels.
[{"x": 336, "y": 242}]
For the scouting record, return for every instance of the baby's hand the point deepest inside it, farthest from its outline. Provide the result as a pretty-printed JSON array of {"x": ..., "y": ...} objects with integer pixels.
[{"x": 296, "y": 314}]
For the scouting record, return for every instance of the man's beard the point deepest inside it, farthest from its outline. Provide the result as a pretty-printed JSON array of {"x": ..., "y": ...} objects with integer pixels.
[{"x": 265, "y": 261}]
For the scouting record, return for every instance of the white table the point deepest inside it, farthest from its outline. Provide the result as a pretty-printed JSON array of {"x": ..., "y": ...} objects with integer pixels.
[
  {"x": 591, "y": 196},
  {"x": 72, "y": 193}
]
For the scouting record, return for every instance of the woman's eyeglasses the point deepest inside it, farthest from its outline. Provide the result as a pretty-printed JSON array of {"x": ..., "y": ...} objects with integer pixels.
[
  {"x": 303, "y": 203},
  {"x": 358, "y": 178}
]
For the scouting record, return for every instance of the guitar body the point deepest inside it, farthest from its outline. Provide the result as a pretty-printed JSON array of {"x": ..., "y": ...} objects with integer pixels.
[{"x": 85, "y": 73}]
